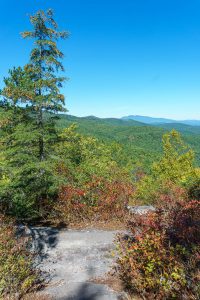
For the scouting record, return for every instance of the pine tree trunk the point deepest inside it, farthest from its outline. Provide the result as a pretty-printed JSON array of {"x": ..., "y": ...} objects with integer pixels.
[{"x": 41, "y": 140}]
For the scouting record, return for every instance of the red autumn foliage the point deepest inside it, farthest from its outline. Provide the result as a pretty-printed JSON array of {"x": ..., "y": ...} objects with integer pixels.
[
  {"x": 99, "y": 199},
  {"x": 161, "y": 257}
]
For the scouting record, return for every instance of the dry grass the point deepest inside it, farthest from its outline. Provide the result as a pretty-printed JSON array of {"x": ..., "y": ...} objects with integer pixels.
[
  {"x": 36, "y": 296},
  {"x": 116, "y": 285},
  {"x": 104, "y": 225},
  {"x": 112, "y": 281},
  {"x": 32, "y": 296}
]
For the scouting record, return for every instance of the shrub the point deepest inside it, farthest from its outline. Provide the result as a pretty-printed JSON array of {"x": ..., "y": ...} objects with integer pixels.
[
  {"x": 98, "y": 199},
  {"x": 17, "y": 274},
  {"x": 160, "y": 259},
  {"x": 176, "y": 167},
  {"x": 194, "y": 189},
  {"x": 150, "y": 269}
]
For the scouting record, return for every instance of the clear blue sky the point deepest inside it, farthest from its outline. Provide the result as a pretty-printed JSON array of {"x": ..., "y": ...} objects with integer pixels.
[{"x": 122, "y": 57}]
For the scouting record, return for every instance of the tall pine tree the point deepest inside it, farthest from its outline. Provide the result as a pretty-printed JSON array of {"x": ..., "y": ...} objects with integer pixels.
[
  {"x": 29, "y": 103},
  {"x": 43, "y": 68}
]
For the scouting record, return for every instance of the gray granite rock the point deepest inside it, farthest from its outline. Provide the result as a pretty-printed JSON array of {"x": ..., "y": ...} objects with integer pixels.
[
  {"x": 143, "y": 209},
  {"x": 74, "y": 258}
]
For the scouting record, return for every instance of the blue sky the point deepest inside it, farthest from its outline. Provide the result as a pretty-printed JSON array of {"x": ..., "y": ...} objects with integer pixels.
[{"x": 122, "y": 57}]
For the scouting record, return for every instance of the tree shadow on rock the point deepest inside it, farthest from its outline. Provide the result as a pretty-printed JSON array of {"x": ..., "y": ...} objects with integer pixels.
[
  {"x": 43, "y": 239},
  {"x": 90, "y": 290},
  {"x": 87, "y": 291}
]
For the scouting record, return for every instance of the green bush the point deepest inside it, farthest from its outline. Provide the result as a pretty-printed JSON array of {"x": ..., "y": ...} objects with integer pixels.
[{"x": 175, "y": 167}]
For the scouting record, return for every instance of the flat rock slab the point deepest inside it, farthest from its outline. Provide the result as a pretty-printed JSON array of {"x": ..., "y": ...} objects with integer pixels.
[
  {"x": 140, "y": 210},
  {"x": 73, "y": 258}
]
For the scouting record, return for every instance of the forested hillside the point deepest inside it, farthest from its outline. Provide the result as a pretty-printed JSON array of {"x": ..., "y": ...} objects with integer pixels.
[
  {"x": 141, "y": 143},
  {"x": 184, "y": 128}
]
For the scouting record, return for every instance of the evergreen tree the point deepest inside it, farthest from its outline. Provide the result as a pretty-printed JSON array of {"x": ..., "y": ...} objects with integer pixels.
[
  {"x": 44, "y": 64},
  {"x": 30, "y": 100}
]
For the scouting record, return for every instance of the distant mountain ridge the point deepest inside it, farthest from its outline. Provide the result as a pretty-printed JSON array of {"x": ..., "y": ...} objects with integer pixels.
[
  {"x": 160, "y": 121},
  {"x": 143, "y": 142}
]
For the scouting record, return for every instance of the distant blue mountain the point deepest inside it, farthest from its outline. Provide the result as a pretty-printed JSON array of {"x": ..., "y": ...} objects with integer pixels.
[
  {"x": 159, "y": 121},
  {"x": 148, "y": 120},
  {"x": 191, "y": 122}
]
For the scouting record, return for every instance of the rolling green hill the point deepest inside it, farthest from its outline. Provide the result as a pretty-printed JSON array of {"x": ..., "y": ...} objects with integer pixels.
[
  {"x": 141, "y": 143},
  {"x": 181, "y": 128},
  {"x": 91, "y": 120}
]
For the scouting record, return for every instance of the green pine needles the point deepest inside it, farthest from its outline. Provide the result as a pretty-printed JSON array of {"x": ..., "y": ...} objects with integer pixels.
[{"x": 28, "y": 106}]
